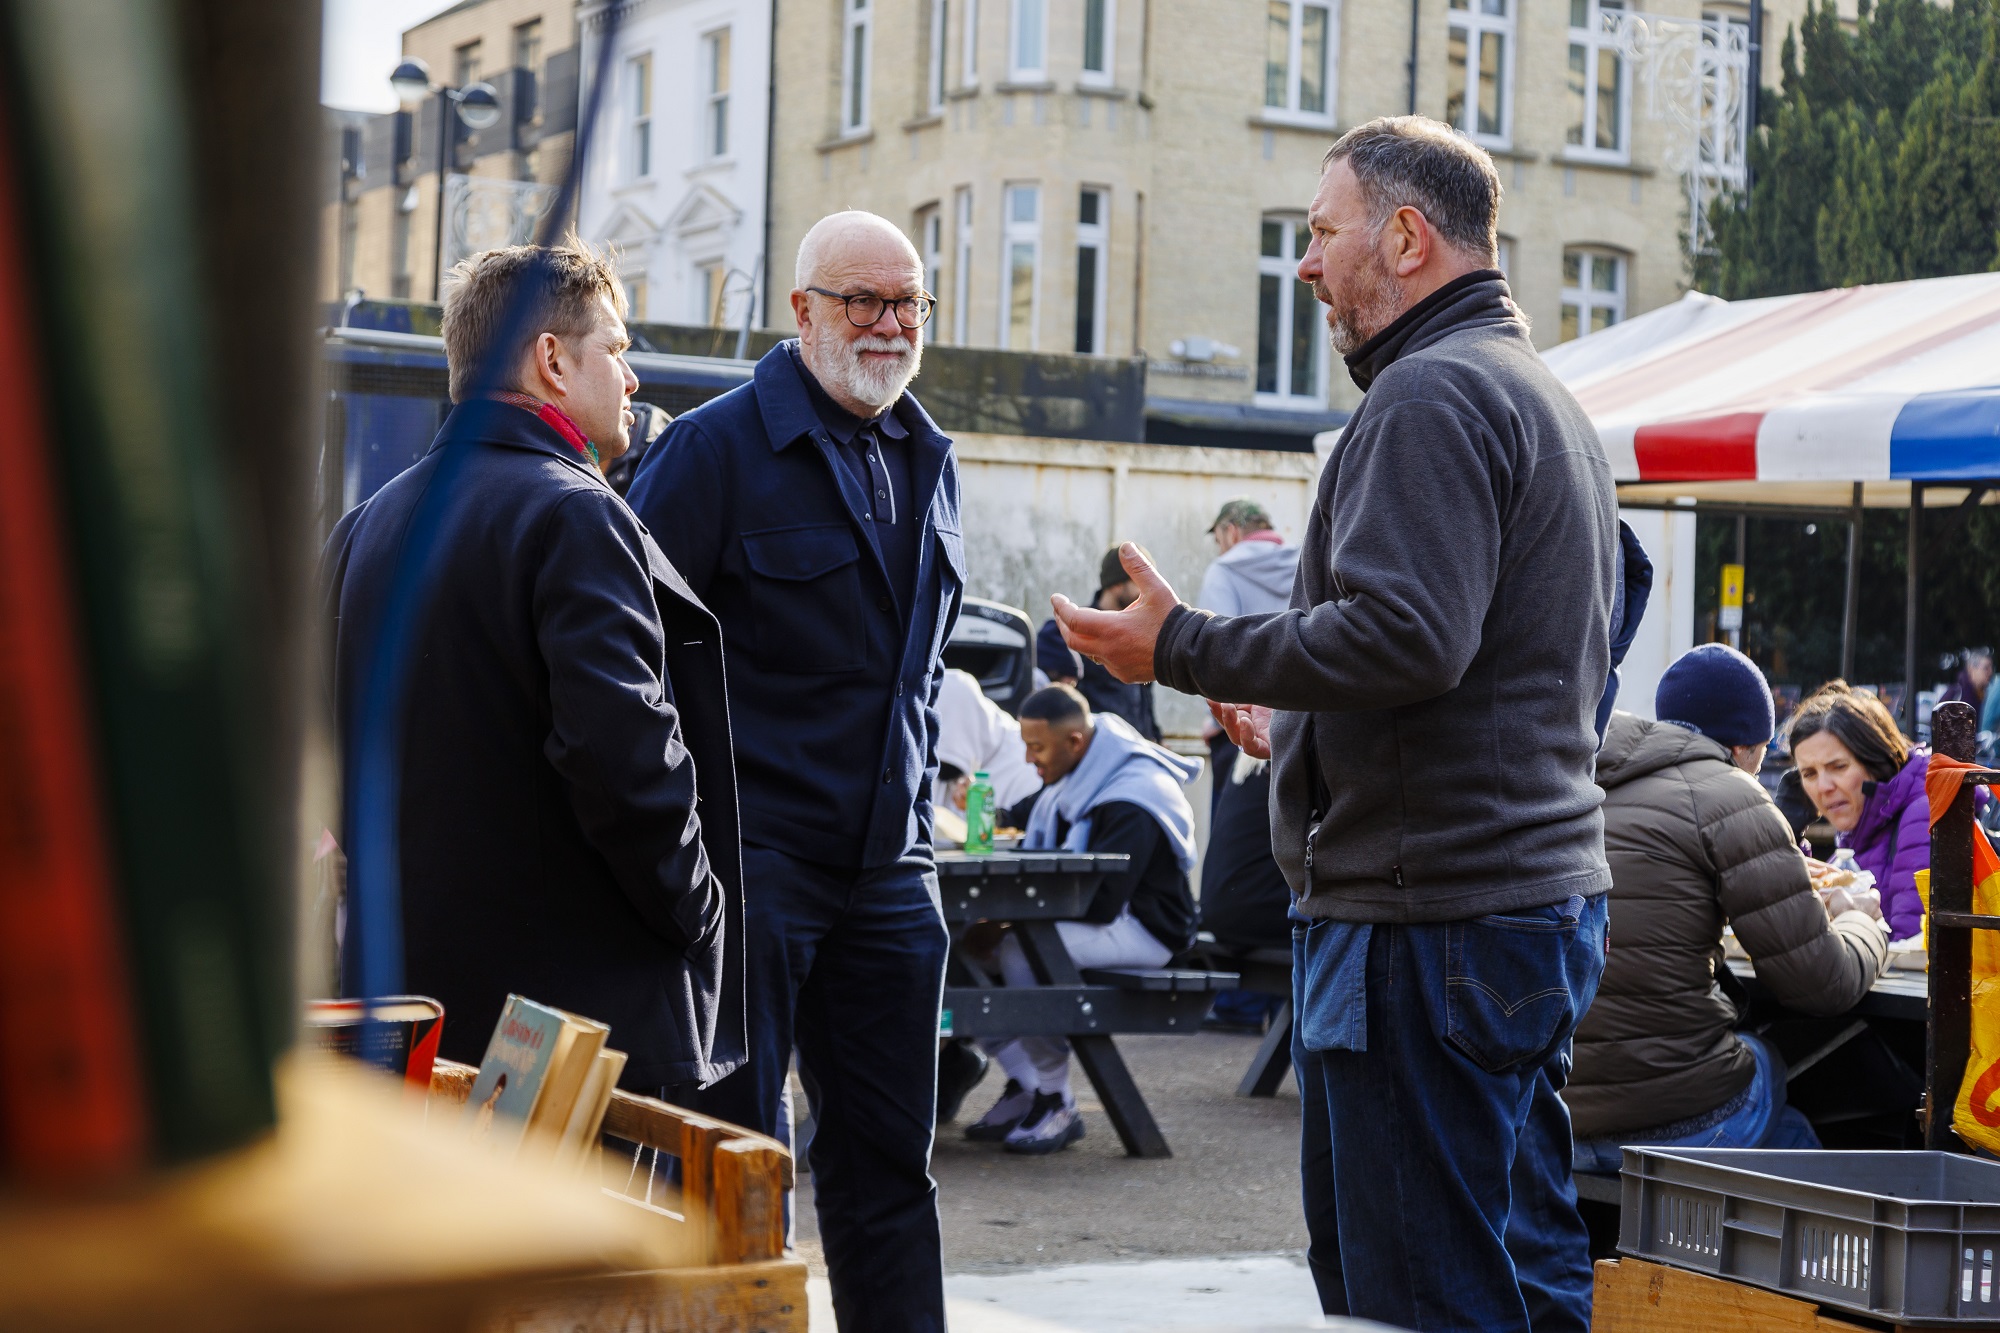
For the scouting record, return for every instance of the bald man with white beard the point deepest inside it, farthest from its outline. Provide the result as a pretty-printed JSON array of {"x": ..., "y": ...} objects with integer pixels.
[{"x": 814, "y": 510}]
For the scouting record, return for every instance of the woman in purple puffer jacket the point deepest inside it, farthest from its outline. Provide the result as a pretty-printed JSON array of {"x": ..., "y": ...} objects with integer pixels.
[{"x": 1868, "y": 782}]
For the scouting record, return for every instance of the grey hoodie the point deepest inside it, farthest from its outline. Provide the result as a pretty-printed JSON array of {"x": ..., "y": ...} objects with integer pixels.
[
  {"x": 1250, "y": 578},
  {"x": 1439, "y": 669}
]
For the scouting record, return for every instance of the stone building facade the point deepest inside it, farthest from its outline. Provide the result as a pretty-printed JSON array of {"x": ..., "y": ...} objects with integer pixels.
[
  {"x": 676, "y": 179},
  {"x": 1129, "y": 177}
]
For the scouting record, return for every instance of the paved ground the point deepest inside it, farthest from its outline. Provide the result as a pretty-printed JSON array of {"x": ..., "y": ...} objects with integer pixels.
[
  {"x": 1244, "y": 1294},
  {"x": 1230, "y": 1189}
]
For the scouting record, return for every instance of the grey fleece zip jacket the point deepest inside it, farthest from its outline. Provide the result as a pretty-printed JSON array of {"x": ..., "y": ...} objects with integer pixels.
[{"x": 1437, "y": 675}]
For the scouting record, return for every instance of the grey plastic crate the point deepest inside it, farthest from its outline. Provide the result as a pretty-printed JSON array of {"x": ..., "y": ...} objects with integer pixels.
[{"x": 1909, "y": 1236}]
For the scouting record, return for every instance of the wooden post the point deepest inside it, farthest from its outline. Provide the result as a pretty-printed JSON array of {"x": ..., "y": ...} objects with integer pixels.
[
  {"x": 749, "y": 1202},
  {"x": 699, "y": 1139},
  {"x": 1948, "y": 1040}
]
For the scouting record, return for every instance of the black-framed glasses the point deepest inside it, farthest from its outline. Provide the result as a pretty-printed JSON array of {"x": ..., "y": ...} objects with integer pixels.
[{"x": 864, "y": 308}]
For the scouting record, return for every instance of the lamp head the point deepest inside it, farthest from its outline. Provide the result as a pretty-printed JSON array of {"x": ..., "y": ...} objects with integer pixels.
[
  {"x": 412, "y": 82},
  {"x": 479, "y": 106}
]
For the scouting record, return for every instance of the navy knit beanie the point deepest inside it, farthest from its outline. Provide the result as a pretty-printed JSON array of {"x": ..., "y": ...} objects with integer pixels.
[{"x": 1717, "y": 691}]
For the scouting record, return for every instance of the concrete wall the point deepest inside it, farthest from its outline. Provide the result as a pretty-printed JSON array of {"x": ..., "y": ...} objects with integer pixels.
[
  {"x": 1668, "y": 629},
  {"x": 1039, "y": 515}
]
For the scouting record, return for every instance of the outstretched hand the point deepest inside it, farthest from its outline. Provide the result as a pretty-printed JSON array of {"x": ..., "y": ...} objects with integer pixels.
[
  {"x": 1248, "y": 726},
  {"x": 1121, "y": 641}
]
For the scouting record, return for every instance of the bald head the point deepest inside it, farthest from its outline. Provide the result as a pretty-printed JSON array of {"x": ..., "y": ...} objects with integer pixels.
[
  {"x": 863, "y": 367},
  {"x": 840, "y": 240}
]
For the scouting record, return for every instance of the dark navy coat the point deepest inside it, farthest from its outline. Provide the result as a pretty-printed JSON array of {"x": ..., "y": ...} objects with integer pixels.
[
  {"x": 833, "y": 683},
  {"x": 567, "y": 714}
]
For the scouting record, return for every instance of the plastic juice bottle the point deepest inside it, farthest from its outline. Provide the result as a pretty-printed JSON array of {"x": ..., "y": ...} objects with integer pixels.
[{"x": 979, "y": 816}]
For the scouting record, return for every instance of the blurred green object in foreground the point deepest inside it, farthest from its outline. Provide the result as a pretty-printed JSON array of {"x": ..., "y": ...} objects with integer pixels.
[{"x": 157, "y": 528}]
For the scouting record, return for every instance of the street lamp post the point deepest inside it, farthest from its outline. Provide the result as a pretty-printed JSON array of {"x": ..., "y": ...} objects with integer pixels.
[{"x": 476, "y": 104}]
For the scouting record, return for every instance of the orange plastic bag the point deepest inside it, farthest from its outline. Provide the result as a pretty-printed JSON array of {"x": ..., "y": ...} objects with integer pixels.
[{"x": 1976, "y": 1118}]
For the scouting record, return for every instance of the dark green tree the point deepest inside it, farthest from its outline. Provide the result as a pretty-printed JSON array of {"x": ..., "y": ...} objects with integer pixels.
[{"x": 1877, "y": 159}]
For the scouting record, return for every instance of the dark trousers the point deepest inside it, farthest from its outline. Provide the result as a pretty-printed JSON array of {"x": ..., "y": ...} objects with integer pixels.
[
  {"x": 848, "y": 966},
  {"x": 1435, "y": 1165}
]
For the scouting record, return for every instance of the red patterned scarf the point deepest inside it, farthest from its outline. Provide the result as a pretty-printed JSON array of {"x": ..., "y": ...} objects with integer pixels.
[{"x": 557, "y": 419}]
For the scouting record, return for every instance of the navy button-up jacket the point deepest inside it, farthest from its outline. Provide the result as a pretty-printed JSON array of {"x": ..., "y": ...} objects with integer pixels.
[
  {"x": 832, "y": 683},
  {"x": 567, "y": 713}
]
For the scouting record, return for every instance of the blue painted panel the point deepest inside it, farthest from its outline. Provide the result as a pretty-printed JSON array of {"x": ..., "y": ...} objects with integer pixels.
[
  {"x": 1947, "y": 437},
  {"x": 385, "y": 434}
]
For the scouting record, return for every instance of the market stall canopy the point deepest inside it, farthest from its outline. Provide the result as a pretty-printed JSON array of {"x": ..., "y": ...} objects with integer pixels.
[{"x": 1794, "y": 399}]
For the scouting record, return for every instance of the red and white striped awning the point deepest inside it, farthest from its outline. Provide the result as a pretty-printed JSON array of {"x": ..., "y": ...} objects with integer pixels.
[{"x": 1892, "y": 383}]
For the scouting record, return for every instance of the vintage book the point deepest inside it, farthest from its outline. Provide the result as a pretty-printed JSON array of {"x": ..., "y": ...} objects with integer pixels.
[
  {"x": 534, "y": 1067},
  {"x": 72, "y": 1109},
  {"x": 587, "y": 1116},
  {"x": 400, "y": 1033},
  {"x": 577, "y": 1050}
]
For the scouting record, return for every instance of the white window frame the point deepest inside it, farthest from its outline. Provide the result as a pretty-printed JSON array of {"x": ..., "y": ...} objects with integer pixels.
[
  {"x": 1014, "y": 235},
  {"x": 716, "y": 55},
  {"x": 1593, "y": 38},
  {"x": 857, "y": 48},
  {"x": 930, "y": 244},
  {"x": 1476, "y": 24},
  {"x": 1584, "y": 297},
  {"x": 968, "y": 23},
  {"x": 1094, "y": 236},
  {"x": 934, "y": 75},
  {"x": 961, "y": 266},
  {"x": 1028, "y": 19},
  {"x": 1289, "y": 110},
  {"x": 1099, "y": 78},
  {"x": 1285, "y": 267},
  {"x": 1504, "y": 257},
  {"x": 640, "y": 90}
]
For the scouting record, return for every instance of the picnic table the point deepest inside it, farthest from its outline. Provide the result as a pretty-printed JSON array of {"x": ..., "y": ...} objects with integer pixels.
[{"x": 1033, "y": 891}]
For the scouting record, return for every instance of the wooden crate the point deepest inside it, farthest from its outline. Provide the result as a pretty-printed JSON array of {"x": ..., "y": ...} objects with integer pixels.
[
  {"x": 728, "y": 1213},
  {"x": 1634, "y": 1296}
]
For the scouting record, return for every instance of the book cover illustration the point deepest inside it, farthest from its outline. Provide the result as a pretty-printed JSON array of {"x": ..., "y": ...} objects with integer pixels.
[{"x": 513, "y": 1072}]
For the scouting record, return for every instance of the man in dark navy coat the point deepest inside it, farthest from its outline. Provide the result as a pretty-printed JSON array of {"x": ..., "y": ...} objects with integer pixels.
[
  {"x": 815, "y": 511},
  {"x": 566, "y": 705}
]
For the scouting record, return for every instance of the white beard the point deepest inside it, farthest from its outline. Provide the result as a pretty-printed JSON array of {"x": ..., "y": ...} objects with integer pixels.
[{"x": 876, "y": 383}]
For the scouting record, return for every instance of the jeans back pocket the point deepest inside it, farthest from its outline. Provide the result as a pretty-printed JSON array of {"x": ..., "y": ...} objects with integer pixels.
[{"x": 1512, "y": 982}]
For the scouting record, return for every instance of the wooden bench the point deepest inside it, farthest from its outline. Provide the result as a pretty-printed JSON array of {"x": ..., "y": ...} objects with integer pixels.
[
  {"x": 1268, "y": 972},
  {"x": 728, "y": 1208},
  {"x": 1108, "y": 1000}
]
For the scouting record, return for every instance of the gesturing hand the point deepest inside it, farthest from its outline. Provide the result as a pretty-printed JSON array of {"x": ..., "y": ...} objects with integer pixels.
[
  {"x": 1248, "y": 725},
  {"x": 1121, "y": 641}
]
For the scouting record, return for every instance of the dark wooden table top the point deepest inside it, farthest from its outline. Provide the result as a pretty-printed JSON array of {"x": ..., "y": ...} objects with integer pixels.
[{"x": 1019, "y": 886}]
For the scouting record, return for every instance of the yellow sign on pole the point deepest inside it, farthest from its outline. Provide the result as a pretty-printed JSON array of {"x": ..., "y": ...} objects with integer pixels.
[{"x": 1732, "y": 598}]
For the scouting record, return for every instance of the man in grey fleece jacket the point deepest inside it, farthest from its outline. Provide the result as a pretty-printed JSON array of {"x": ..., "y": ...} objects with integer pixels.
[{"x": 1428, "y": 701}]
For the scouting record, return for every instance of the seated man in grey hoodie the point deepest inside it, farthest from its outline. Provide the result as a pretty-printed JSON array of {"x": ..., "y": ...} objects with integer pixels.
[{"x": 1109, "y": 789}]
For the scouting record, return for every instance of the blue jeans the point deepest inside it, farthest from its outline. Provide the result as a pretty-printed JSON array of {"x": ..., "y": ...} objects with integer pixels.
[
  {"x": 1763, "y": 1121},
  {"x": 848, "y": 966},
  {"x": 1435, "y": 1163}
]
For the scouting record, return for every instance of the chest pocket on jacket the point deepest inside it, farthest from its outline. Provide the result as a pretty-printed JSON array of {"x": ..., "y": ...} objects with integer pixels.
[{"x": 805, "y": 587}]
